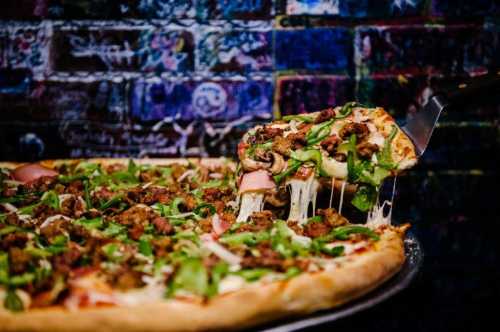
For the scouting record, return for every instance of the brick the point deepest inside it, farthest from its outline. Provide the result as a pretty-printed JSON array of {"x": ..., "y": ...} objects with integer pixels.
[
  {"x": 28, "y": 47},
  {"x": 23, "y": 9},
  {"x": 426, "y": 50},
  {"x": 234, "y": 9},
  {"x": 403, "y": 95},
  {"x": 24, "y": 101},
  {"x": 312, "y": 7},
  {"x": 299, "y": 94},
  {"x": 120, "y": 9},
  {"x": 314, "y": 49},
  {"x": 465, "y": 8},
  {"x": 145, "y": 50},
  {"x": 235, "y": 51},
  {"x": 381, "y": 8},
  {"x": 187, "y": 101}
]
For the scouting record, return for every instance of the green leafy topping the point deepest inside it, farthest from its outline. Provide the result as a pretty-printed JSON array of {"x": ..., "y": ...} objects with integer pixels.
[
  {"x": 247, "y": 238},
  {"x": 303, "y": 118},
  {"x": 365, "y": 198},
  {"x": 191, "y": 277},
  {"x": 113, "y": 252},
  {"x": 384, "y": 157},
  {"x": 51, "y": 199},
  {"x": 86, "y": 194},
  {"x": 292, "y": 272},
  {"x": 12, "y": 301},
  {"x": 4, "y": 268},
  {"x": 252, "y": 274},
  {"x": 293, "y": 166},
  {"x": 282, "y": 241},
  {"x": 145, "y": 246},
  {"x": 94, "y": 223},
  {"x": 343, "y": 232},
  {"x": 203, "y": 208},
  {"x": 219, "y": 271},
  {"x": 333, "y": 251},
  {"x": 113, "y": 230},
  {"x": 113, "y": 201}
]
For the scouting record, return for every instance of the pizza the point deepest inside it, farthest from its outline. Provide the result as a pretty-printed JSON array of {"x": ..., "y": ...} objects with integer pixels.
[
  {"x": 351, "y": 148},
  {"x": 162, "y": 245}
]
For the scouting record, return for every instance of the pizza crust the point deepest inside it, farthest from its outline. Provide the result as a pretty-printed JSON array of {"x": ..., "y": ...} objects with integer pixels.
[{"x": 247, "y": 307}]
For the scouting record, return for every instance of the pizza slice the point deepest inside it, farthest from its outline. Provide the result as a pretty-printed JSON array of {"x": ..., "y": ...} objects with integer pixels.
[{"x": 350, "y": 148}]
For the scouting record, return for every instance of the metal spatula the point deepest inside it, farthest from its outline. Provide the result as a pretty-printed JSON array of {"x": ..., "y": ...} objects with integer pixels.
[{"x": 474, "y": 91}]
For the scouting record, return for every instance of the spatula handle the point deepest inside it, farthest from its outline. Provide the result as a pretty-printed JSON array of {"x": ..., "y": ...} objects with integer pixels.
[{"x": 474, "y": 91}]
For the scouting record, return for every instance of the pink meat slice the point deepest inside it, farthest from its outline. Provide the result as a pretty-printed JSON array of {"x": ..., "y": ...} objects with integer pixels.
[
  {"x": 259, "y": 180},
  {"x": 30, "y": 172}
]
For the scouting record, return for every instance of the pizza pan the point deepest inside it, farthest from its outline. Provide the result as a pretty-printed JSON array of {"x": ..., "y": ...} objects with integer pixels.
[{"x": 414, "y": 258}]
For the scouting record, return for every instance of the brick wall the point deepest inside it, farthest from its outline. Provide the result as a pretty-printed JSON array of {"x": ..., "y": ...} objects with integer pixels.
[{"x": 81, "y": 78}]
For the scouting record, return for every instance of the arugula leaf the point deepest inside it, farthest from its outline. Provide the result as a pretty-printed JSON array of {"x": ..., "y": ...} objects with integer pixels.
[
  {"x": 145, "y": 246},
  {"x": 86, "y": 194},
  {"x": 252, "y": 274},
  {"x": 116, "y": 199},
  {"x": 365, "y": 198},
  {"x": 292, "y": 272},
  {"x": 4, "y": 268},
  {"x": 343, "y": 232},
  {"x": 12, "y": 301},
  {"x": 293, "y": 166},
  {"x": 384, "y": 157},
  {"x": 94, "y": 223},
  {"x": 200, "y": 209},
  {"x": 219, "y": 271},
  {"x": 334, "y": 252},
  {"x": 298, "y": 117},
  {"x": 23, "y": 279},
  {"x": 248, "y": 238},
  {"x": 192, "y": 277},
  {"x": 51, "y": 199}
]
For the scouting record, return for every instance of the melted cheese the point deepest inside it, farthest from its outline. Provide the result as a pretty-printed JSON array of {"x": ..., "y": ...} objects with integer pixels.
[
  {"x": 331, "y": 193},
  {"x": 342, "y": 196},
  {"x": 376, "y": 215},
  {"x": 303, "y": 193},
  {"x": 250, "y": 202}
]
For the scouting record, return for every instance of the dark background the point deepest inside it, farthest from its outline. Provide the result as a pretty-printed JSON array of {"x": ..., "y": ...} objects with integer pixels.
[{"x": 163, "y": 78}]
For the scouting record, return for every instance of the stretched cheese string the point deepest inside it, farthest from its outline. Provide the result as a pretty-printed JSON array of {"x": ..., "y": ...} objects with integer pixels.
[
  {"x": 302, "y": 194},
  {"x": 342, "y": 197},
  {"x": 331, "y": 193},
  {"x": 250, "y": 202},
  {"x": 376, "y": 215}
]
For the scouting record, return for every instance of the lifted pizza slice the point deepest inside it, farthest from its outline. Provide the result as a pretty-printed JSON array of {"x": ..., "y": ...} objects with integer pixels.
[{"x": 351, "y": 148}]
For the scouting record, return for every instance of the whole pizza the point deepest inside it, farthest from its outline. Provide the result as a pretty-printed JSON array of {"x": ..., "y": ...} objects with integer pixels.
[{"x": 204, "y": 244}]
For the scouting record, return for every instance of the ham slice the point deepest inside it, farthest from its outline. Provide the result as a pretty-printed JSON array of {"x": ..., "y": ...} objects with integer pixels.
[
  {"x": 30, "y": 172},
  {"x": 256, "y": 181}
]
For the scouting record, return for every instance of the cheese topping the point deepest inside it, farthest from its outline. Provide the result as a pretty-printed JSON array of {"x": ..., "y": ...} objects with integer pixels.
[
  {"x": 303, "y": 193},
  {"x": 250, "y": 202}
]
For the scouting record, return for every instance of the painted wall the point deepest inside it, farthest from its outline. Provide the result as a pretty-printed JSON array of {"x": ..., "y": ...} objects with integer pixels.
[{"x": 82, "y": 78}]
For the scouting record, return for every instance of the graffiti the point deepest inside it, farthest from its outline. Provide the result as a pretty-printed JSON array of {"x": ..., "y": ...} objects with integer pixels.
[
  {"x": 166, "y": 100},
  {"x": 28, "y": 47},
  {"x": 235, "y": 51},
  {"x": 313, "y": 7},
  {"x": 418, "y": 50},
  {"x": 110, "y": 55},
  {"x": 116, "y": 50},
  {"x": 234, "y": 9},
  {"x": 167, "y": 9},
  {"x": 316, "y": 49},
  {"x": 166, "y": 51},
  {"x": 299, "y": 94}
]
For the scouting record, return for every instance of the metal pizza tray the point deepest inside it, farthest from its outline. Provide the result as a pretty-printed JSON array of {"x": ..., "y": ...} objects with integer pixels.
[{"x": 414, "y": 258}]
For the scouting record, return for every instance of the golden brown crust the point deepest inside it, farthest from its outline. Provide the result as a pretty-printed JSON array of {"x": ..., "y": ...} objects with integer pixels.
[{"x": 244, "y": 308}]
